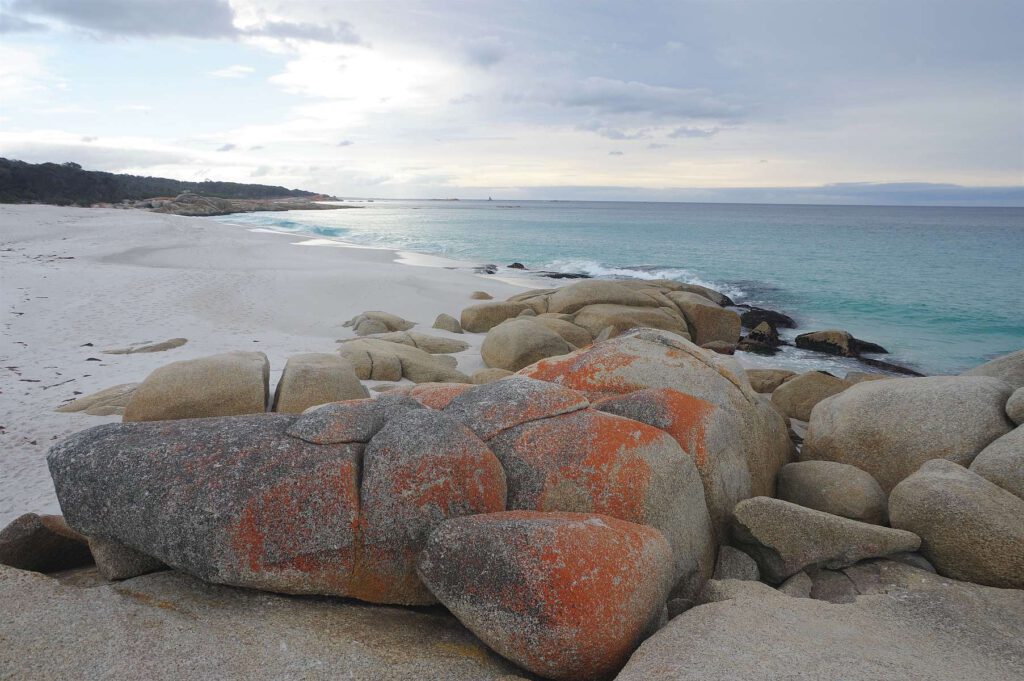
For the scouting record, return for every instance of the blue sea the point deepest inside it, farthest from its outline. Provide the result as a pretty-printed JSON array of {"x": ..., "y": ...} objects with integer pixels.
[{"x": 941, "y": 288}]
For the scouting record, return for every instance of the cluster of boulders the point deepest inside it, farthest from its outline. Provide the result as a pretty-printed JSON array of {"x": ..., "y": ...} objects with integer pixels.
[{"x": 566, "y": 512}]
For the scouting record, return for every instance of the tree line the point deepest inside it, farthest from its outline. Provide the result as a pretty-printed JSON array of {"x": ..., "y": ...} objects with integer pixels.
[{"x": 66, "y": 184}]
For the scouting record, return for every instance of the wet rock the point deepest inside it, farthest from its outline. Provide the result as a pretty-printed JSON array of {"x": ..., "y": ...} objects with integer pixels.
[
  {"x": 567, "y": 596},
  {"x": 836, "y": 342},
  {"x": 889, "y": 428},
  {"x": 230, "y": 384},
  {"x": 836, "y": 488},
  {"x": 785, "y": 538},
  {"x": 1002, "y": 462},
  {"x": 378, "y": 322},
  {"x": 420, "y": 470},
  {"x": 797, "y": 396},
  {"x": 764, "y": 333},
  {"x": 489, "y": 409},
  {"x": 925, "y": 627},
  {"x": 485, "y": 316},
  {"x": 350, "y": 421},
  {"x": 446, "y": 322},
  {"x": 316, "y": 378},
  {"x": 753, "y": 316},
  {"x": 42, "y": 543},
  {"x": 970, "y": 528},
  {"x": 517, "y": 343},
  {"x": 591, "y": 462},
  {"x": 232, "y": 500}
]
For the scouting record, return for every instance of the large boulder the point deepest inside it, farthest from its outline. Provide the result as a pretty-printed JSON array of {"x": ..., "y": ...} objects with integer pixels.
[
  {"x": 1002, "y": 462},
  {"x": 573, "y": 334},
  {"x": 970, "y": 528},
  {"x": 230, "y": 384},
  {"x": 232, "y": 500},
  {"x": 797, "y": 396},
  {"x": 420, "y": 470},
  {"x": 485, "y": 316},
  {"x": 316, "y": 378},
  {"x": 785, "y": 538},
  {"x": 517, "y": 343},
  {"x": 169, "y": 626},
  {"x": 917, "y": 626},
  {"x": 377, "y": 322},
  {"x": 889, "y": 428},
  {"x": 620, "y": 318},
  {"x": 710, "y": 434},
  {"x": 1008, "y": 368},
  {"x": 565, "y": 595},
  {"x": 351, "y": 420},
  {"x": 714, "y": 296},
  {"x": 836, "y": 488},
  {"x": 42, "y": 543},
  {"x": 1015, "y": 406},
  {"x": 446, "y": 322},
  {"x": 383, "y": 360},
  {"x": 592, "y": 462},
  {"x": 581, "y": 294},
  {"x": 707, "y": 321},
  {"x": 433, "y": 345},
  {"x": 649, "y": 358},
  {"x": 768, "y": 380},
  {"x": 836, "y": 342}
]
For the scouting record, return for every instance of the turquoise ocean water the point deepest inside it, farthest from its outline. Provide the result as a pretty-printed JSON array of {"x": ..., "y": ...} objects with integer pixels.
[{"x": 941, "y": 288}]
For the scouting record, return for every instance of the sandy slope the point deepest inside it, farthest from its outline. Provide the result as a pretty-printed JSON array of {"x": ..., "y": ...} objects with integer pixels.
[{"x": 73, "y": 276}]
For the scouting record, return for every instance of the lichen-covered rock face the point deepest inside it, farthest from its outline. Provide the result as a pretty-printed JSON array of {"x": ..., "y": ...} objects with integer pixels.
[
  {"x": 437, "y": 395},
  {"x": 970, "y": 528},
  {"x": 497, "y": 406},
  {"x": 708, "y": 433},
  {"x": 592, "y": 462},
  {"x": 421, "y": 469},
  {"x": 351, "y": 420},
  {"x": 565, "y": 595},
  {"x": 785, "y": 538},
  {"x": 890, "y": 428},
  {"x": 517, "y": 343},
  {"x": 648, "y": 358},
  {"x": 316, "y": 378},
  {"x": 233, "y": 500},
  {"x": 230, "y": 384}
]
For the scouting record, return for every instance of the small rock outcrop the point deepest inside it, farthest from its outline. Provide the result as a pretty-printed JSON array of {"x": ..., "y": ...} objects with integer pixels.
[
  {"x": 836, "y": 488},
  {"x": 565, "y": 595},
  {"x": 768, "y": 380},
  {"x": 785, "y": 538},
  {"x": 481, "y": 295},
  {"x": 836, "y": 342},
  {"x": 797, "y": 395},
  {"x": 377, "y": 322},
  {"x": 42, "y": 543},
  {"x": 446, "y": 322},
  {"x": 890, "y": 428},
  {"x": 970, "y": 528},
  {"x": 485, "y": 316},
  {"x": 316, "y": 378},
  {"x": 230, "y": 384},
  {"x": 517, "y": 343}
]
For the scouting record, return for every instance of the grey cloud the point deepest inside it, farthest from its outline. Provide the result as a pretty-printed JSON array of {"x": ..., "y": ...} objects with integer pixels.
[
  {"x": 610, "y": 96},
  {"x": 345, "y": 143},
  {"x": 484, "y": 52},
  {"x": 203, "y": 19},
  {"x": 656, "y": 145},
  {"x": 689, "y": 131},
  {"x": 227, "y": 147},
  {"x": 615, "y": 153},
  {"x": 12, "y": 24},
  {"x": 88, "y": 139},
  {"x": 93, "y": 156}
]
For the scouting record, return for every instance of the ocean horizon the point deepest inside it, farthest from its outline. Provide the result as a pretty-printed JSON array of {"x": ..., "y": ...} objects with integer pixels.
[{"x": 939, "y": 287}]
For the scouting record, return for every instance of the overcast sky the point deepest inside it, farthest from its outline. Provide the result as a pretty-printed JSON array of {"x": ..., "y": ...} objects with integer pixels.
[{"x": 816, "y": 100}]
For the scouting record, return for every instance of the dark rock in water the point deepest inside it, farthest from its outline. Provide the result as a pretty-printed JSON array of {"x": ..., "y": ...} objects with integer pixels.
[
  {"x": 755, "y": 315},
  {"x": 517, "y": 266},
  {"x": 486, "y": 269},
  {"x": 42, "y": 543},
  {"x": 757, "y": 347},
  {"x": 836, "y": 342},
  {"x": 765, "y": 333},
  {"x": 564, "y": 275},
  {"x": 889, "y": 366},
  {"x": 232, "y": 500}
]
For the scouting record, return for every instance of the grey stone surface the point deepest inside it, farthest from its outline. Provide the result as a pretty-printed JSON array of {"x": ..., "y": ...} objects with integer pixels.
[
  {"x": 316, "y": 378},
  {"x": 497, "y": 406},
  {"x": 517, "y": 343},
  {"x": 767, "y": 380},
  {"x": 734, "y": 564},
  {"x": 383, "y": 360},
  {"x": 573, "y": 334},
  {"x": 621, "y": 318},
  {"x": 837, "y": 488},
  {"x": 1015, "y": 406},
  {"x": 446, "y": 322},
  {"x": 350, "y": 421},
  {"x": 832, "y": 586},
  {"x": 229, "y": 384},
  {"x": 168, "y": 627},
  {"x": 797, "y": 586},
  {"x": 785, "y": 538},
  {"x": 233, "y": 500},
  {"x": 434, "y": 345},
  {"x": 890, "y": 428},
  {"x": 798, "y": 394},
  {"x": 483, "y": 317},
  {"x": 970, "y": 528},
  {"x": 1002, "y": 462},
  {"x": 924, "y": 628},
  {"x": 1008, "y": 368},
  {"x": 147, "y": 347},
  {"x": 117, "y": 561}
]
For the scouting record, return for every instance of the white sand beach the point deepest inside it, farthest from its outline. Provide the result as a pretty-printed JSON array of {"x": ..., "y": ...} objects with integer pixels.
[{"x": 76, "y": 281}]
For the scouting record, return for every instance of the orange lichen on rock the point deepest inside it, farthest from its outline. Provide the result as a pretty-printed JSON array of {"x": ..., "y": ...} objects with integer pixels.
[
  {"x": 493, "y": 407},
  {"x": 438, "y": 395},
  {"x": 565, "y": 595}
]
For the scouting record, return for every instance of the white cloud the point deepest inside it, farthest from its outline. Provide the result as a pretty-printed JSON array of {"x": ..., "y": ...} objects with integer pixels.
[{"x": 233, "y": 71}]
